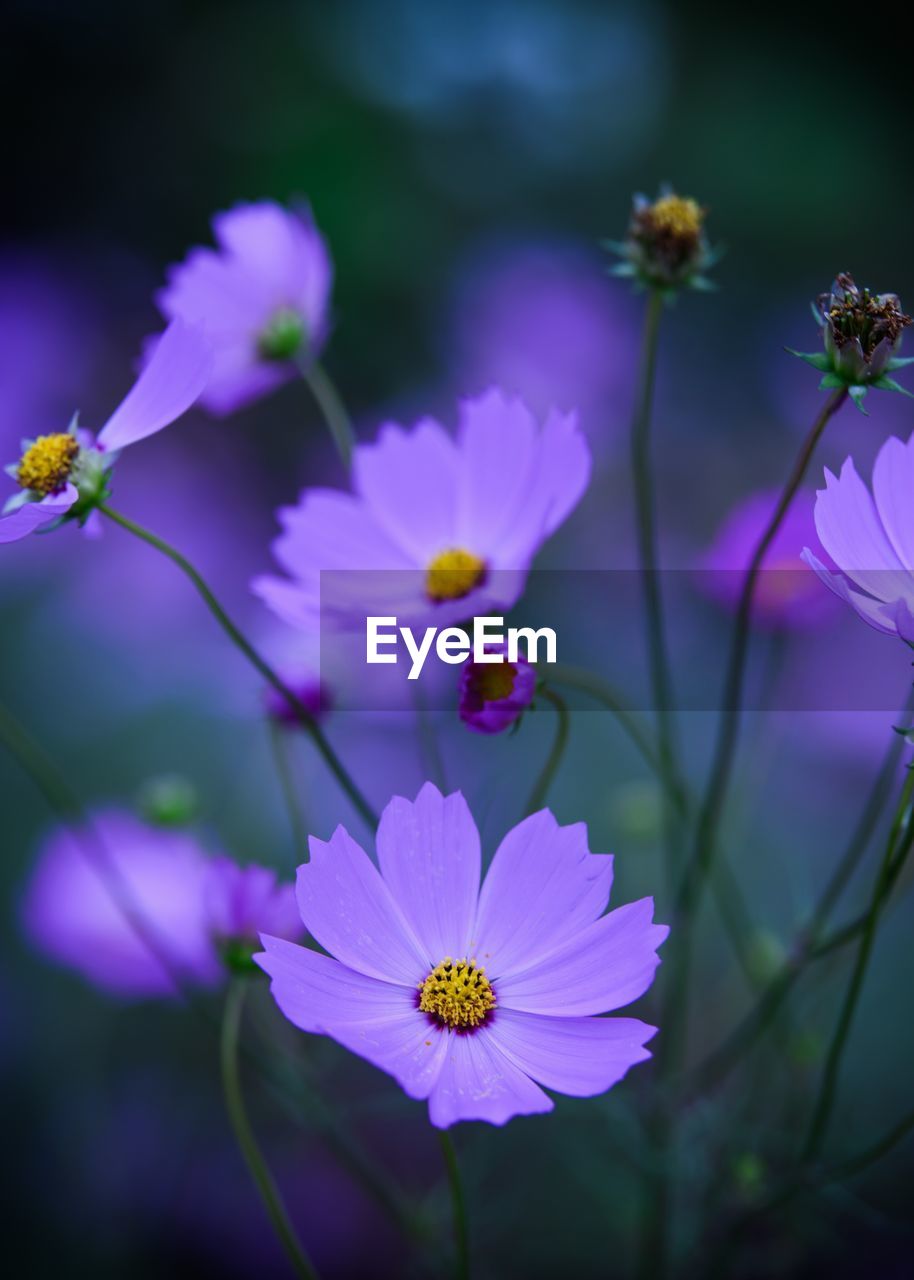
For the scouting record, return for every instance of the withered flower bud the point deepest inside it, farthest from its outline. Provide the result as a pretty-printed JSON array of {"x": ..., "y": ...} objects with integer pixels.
[{"x": 665, "y": 248}]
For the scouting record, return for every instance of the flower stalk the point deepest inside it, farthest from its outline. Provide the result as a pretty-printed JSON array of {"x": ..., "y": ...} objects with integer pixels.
[
  {"x": 304, "y": 716},
  {"x": 458, "y": 1205},
  {"x": 330, "y": 403},
  {"x": 244, "y": 1134},
  {"x": 554, "y": 759}
]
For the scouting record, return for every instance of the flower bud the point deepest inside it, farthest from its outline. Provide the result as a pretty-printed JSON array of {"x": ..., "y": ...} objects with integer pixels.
[{"x": 666, "y": 247}]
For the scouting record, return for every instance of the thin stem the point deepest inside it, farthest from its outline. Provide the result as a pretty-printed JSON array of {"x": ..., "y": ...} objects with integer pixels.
[
  {"x": 63, "y": 801},
  {"x": 808, "y": 944},
  {"x": 458, "y": 1203},
  {"x": 244, "y": 1134},
  {"x": 553, "y": 760},
  {"x": 702, "y": 857},
  {"x": 302, "y": 713},
  {"x": 602, "y": 692},
  {"x": 280, "y": 746},
  {"x": 828, "y": 1087},
  {"x": 332, "y": 408},
  {"x": 646, "y": 522}
]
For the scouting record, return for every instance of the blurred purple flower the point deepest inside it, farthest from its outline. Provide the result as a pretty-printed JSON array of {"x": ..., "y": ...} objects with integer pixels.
[
  {"x": 543, "y": 321},
  {"x": 870, "y": 538},
  {"x": 437, "y": 529},
  {"x": 493, "y": 696},
  {"x": 147, "y": 907},
  {"x": 67, "y": 472},
  {"x": 787, "y": 594},
  {"x": 262, "y": 296},
  {"x": 469, "y": 996}
]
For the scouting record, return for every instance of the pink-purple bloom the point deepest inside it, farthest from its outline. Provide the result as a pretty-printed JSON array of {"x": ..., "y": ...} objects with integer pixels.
[
  {"x": 139, "y": 910},
  {"x": 870, "y": 539},
  {"x": 472, "y": 998},
  {"x": 493, "y": 696},
  {"x": 437, "y": 529},
  {"x": 787, "y": 595},
  {"x": 66, "y": 473},
  {"x": 262, "y": 296}
]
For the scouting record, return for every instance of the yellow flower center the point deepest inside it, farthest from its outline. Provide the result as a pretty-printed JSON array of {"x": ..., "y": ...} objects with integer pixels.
[
  {"x": 453, "y": 574},
  {"x": 46, "y": 465},
  {"x": 677, "y": 215},
  {"x": 457, "y": 994},
  {"x": 492, "y": 683}
]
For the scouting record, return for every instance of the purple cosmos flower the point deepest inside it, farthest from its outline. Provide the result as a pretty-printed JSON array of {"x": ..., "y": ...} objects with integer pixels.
[
  {"x": 66, "y": 473},
  {"x": 151, "y": 908},
  {"x": 870, "y": 539},
  {"x": 493, "y": 696},
  {"x": 471, "y": 998},
  {"x": 438, "y": 529},
  {"x": 262, "y": 297},
  {"x": 787, "y": 595}
]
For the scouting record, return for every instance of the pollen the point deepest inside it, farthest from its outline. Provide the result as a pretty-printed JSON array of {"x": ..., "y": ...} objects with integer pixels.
[
  {"x": 457, "y": 994},
  {"x": 453, "y": 574},
  {"x": 493, "y": 682},
  {"x": 46, "y": 465},
  {"x": 677, "y": 215}
]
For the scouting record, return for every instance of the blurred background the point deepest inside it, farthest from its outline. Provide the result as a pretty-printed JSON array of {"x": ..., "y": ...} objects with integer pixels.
[{"x": 464, "y": 162}]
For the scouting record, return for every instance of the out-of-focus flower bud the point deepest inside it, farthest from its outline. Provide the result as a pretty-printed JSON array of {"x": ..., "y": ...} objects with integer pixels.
[{"x": 666, "y": 248}]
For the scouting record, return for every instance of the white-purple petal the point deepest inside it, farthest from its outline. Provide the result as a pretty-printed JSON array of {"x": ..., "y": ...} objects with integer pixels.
[
  {"x": 30, "y": 516},
  {"x": 479, "y": 1082},
  {"x": 578, "y": 1056}
]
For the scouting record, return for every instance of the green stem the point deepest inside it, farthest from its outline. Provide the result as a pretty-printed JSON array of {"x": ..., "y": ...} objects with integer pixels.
[
  {"x": 829, "y": 1084},
  {"x": 809, "y": 944},
  {"x": 646, "y": 522},
  {"x": 458, "y": 1203},
  {"x": 332, "y": 408},
  {"x": 302, "y": 713},
  {"x": 553, "y": 760},
  {"x": 280, "y": 746},
  {"x": 244, "y": 1134},
  {"x": 63, "y": 801},
  {"x": 703, "y": 853},
  {"x": 602, "y": 692}
]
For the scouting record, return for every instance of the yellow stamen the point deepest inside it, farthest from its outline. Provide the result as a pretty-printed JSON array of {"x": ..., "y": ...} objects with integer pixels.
[
  {"x": 457, "y": 994},
  {"x": 453, "y": 574},
  {"x": 678, "y": 215},
  {"x": 45, "y": 467},
  {"x": 494, "y": 682}
]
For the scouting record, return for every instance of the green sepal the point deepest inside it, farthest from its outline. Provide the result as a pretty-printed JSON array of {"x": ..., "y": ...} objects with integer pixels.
[
  {"x": 831, "y": 382},
  {"x": 899, "y": 362},
  {"x": 818, "y": 359},
  {"x": 889, "y": 384},
  {"x": 858, "y": 395}
]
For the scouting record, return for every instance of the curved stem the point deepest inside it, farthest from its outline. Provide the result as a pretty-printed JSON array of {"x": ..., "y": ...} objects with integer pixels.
[
  {"x": 602, "y": 692},
  {"x": 809, "y": 944},
  {"x": 332, "y": 408},
  {"x": 553, "y": 760},
  {"x": 280, "y": 747},
  {"x": 828, "y": 1087},
  {"x": 244, "y": 1134},
  {"x": 458, "y": 1203},
  {"x": 302, "y": 713},
  {"x": 646, "y": 521},
  {"x": 704, "y": 850}
]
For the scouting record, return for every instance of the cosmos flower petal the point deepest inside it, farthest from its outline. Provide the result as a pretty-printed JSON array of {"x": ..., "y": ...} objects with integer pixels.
[
  {"x": 409, "y": 483},
  {"x": 283, "y": 249},
  {"x": 478, "y": 1082},
  {"x": 429, "y": 855},
  {"x": 169, "y": 384},
  {"x": 374, "y": 1019},
  {"x": 893, "y": 489},
  {"x": 349, "y": 909},
  {"x": 32, "y": 515},
  {"x": 869, "y": 610},
  {"x": 608, "y": 964},
  {"x": 577, "y": 1056},
  {"x": 853, "y": 536},
  {"x": 544, "y": 886}
]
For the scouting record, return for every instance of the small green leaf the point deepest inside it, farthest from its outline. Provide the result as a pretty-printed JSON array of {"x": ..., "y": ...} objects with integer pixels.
[
  {"x": 889, "y": 384},
  {"x": 858, "y": 395},
  {"x": 818, "y": 359}
]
